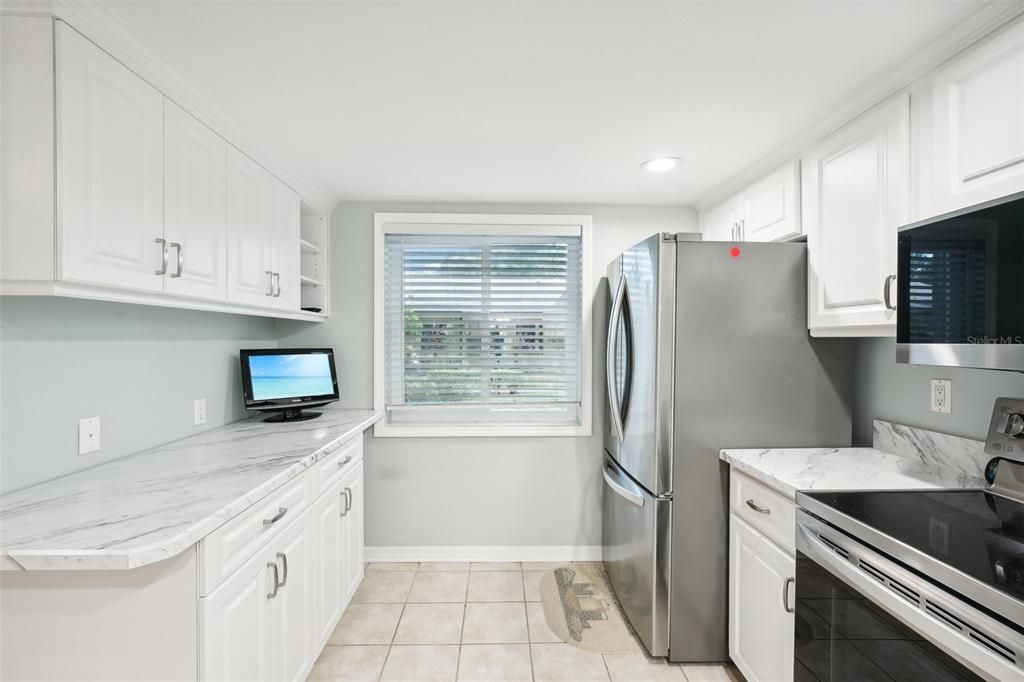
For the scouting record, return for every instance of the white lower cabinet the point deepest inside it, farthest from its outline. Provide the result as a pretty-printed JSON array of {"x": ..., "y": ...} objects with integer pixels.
[
  {"x": 257, "y": 625},
  {"x": 269, "y": 619},
  {"x": 330, "y": 568},
  {"x": 761, "y": 588},
  {"x": 237, "y": 624}
]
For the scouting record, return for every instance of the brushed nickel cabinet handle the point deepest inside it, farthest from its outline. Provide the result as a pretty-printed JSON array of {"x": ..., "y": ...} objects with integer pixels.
[
  {"x": 270, "y": 281},
  {"x": 281, "y": 511},
  {"x": 163, "y": 248},
  {"x": 348, "y": 500},
  {"x": 277, "y": 584},
  {"x": 345, "y": 493},
  {"x": 887, "y": 292},
  {"x": 743, "y": 230},
  {"x": 284, "y": 562},
  {"x": 342, "y": 463},
  {"x": 759, "y": 509},
  {"x": 785, "y": 595},
  {"x": 277, "y": 280},
  {"x": 181, "y": 260}
]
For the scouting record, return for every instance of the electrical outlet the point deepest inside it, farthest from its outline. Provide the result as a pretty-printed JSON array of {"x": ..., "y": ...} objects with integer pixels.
[
  {"x": 199, "y": 412},
  {"x": 88, "y": 435},
  {"x": 942, "y": 396}
]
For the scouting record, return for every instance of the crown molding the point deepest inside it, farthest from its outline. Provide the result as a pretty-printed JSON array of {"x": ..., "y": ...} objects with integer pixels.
[
  {"x": 100, "y": 24},
  {"x": 984, "y": 21}
]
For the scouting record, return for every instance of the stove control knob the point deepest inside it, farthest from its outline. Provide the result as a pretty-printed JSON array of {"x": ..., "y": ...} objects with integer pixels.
[{"x": 1011, "y": 425}]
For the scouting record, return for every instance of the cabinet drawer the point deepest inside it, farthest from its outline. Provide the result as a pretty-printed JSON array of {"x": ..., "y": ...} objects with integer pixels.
[
  {"x": 340, "y": 462},
  {"x": 764, "y": 509},
  {"x": 228, "y": 547}
]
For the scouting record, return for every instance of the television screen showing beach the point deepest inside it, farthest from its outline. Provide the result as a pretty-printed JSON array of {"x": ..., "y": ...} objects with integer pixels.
[{"x": 290, "y": 376}]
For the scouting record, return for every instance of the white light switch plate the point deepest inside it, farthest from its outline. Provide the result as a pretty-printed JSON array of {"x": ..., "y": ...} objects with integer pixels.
[
  {"x": 88, "y": 435},
  {"x": 199, "y": 412},
  {"x": 942, "y": 396}
]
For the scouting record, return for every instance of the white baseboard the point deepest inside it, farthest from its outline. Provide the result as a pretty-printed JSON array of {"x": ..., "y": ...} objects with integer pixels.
[{"x": 486, "y": 553}]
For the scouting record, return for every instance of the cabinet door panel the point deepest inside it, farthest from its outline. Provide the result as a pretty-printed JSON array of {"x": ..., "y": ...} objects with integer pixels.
[
  {"x": 770, "y": 208},
  {"x": 855, "y": 196},
  {"x": 248, "y": 238},
  {"x": 195, "y": 216},
  {"x": 283, "y": 215},
  {"x": 331, "y": 584},
  {"x": 761, "y": 631},
  {"x": 110, "y": 155},
  {"x": 979, "y": 123},
  {"x": 293, "y": 620},
  {"x": 352, "y": 551},
  {"x": 237, "y": 625}
]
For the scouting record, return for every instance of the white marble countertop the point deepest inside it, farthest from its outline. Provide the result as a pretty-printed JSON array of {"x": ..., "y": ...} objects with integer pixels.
[
  {"x": 153, "y": 505},
  {"x": 903, "y": 458}
]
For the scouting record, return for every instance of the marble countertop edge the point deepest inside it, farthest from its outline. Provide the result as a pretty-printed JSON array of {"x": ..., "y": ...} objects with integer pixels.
[{"x": 31, "y": 558}]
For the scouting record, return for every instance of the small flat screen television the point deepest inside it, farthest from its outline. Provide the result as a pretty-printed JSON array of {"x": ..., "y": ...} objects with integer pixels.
[{"x": 286, "y": 381}]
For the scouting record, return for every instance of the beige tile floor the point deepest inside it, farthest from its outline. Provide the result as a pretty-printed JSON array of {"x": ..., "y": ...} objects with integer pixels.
[{"x": 479, "y": 622}]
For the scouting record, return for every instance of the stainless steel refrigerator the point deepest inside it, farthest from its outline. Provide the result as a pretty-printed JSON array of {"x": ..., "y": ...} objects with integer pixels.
[{"x": 707, "y": 348}]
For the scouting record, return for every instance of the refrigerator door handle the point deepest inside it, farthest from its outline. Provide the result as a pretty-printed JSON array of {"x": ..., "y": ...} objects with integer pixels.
[
  {"x": 614, "y": 319},
  {"x": 621, "y": 491}
]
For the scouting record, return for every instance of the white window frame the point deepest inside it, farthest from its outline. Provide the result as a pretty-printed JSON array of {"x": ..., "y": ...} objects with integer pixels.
[{"x": 483, "y": 224}]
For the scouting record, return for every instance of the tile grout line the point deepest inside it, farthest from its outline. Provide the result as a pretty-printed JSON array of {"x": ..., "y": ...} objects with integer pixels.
[{"x": 529, "y": 636}]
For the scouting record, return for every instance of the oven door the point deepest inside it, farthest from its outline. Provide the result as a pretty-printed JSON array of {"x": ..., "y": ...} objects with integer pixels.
[
  {"x": 960, "y": 288},
  {"x": 861, "y": 617}
]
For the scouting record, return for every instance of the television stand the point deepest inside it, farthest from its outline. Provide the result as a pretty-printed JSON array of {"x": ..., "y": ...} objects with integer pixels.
[{"x": 292, "y": 415}]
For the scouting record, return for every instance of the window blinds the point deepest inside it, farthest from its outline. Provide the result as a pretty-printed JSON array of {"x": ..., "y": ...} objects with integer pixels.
[{"x": 487, "y": 327}]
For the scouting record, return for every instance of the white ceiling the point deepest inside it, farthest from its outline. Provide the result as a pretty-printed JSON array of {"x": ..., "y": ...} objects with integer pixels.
[{"x": 530, "y": 101}]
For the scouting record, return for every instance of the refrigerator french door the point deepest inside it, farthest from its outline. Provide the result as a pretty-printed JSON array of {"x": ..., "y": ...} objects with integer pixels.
[
  {"x": 707, "y": 348},
  {"x": 638, "y": 471}
]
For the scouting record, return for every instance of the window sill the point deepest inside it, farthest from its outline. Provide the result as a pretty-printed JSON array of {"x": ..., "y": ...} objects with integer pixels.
[{"x": 384, "y": 430}]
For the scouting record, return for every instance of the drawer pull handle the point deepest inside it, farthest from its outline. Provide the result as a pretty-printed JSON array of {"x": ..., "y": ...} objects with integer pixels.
[
  {"x": 277, "y": 584},
  {"x": 785, "y": 595},
  {"x": 760, "y": 510},
  {"x": 346, "y": 493},
  {"x": 277, "y": 517},
  {"x": 345, "y": 461},
  {"x": 284, "y": 562}
]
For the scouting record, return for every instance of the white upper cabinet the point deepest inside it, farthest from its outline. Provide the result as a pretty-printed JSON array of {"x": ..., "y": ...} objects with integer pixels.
[
  {"x": 284, "y": 218},
  {"x": 263, "y": 236},
  {"x": 718, "y": 224},
  {"x": 978, "y": 123},
  {"x": 855, "y": 196},
  {"x": 250, "y": 277},
  {"x": 770, "y": 209},
  {"x": 123, "y": 195},
  {"x": 767, "y": 211},
  {"x": 110, "y": 154},
  {"x": 195, "y": 215}
]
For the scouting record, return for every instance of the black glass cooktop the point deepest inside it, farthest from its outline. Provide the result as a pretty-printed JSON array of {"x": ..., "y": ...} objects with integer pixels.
[{"x": 973, "y": 531}]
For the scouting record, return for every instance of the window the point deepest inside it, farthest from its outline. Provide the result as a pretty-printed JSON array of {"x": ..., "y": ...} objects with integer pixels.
[{"x": 480, "y": 325}]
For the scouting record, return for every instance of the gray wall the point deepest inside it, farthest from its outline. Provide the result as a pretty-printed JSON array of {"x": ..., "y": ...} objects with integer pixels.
[
  {"x": 901, "y": 393},
  {"x": 136, "y": 367},
  {"x": 471, "y": 491}
]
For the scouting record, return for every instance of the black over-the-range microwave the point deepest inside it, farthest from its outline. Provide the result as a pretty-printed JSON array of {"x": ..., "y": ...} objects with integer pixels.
[{"x": 960, "y": 288}]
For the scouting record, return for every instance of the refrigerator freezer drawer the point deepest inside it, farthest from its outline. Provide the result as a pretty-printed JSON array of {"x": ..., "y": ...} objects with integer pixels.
[{"x": 636, "y": 554}]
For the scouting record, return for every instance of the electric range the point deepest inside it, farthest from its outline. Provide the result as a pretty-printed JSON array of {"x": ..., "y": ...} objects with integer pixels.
[{"x": 912, "y": 585}]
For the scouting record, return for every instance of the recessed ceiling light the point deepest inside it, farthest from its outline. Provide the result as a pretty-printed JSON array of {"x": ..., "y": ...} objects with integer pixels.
[{"x": 662, "y": 165}]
